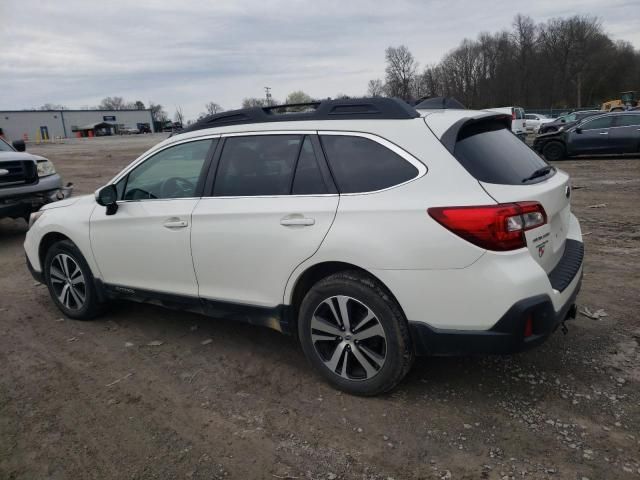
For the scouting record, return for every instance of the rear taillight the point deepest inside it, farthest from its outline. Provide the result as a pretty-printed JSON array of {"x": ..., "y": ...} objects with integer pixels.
[
  {"x": 494, "y": 227},
  {"x": 513, "y": 114}
]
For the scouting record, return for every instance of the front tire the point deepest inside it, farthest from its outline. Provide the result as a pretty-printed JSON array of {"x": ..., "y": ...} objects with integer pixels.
[
  {"x": 70, "y": 282},
  {"x": 554, "y": 151},
  {"x": 354, "y": 334}
]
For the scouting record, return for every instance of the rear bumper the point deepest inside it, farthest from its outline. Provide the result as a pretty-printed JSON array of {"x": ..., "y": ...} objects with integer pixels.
[{"x": 506, "y": 336}]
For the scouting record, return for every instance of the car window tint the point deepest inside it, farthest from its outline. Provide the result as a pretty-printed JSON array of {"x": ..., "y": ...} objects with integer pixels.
[
  {"x": 492, "y": 154},
  {"x": 628, "y": 120},
  {"x": 308, "y": 178},
  {"x": 569, "y": 118},
  {"x": 361, "y": 165},
  {"x": 257, "y": 165},
  {"x": 172, "y": 173},
  {"x": 602, "y": 122},
  {"x": 519, "y": 113}
]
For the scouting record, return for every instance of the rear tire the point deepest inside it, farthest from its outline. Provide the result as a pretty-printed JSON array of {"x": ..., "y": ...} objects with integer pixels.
[
  {"x": 70, "y": 282},
  {"x": 354, "y": 334},
  {"x": 554, "y": 151}
]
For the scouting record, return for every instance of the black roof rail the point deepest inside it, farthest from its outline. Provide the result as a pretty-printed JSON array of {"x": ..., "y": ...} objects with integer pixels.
[
  {"x": 439, "y": 103},
  {"x": 345, "y": 109}
]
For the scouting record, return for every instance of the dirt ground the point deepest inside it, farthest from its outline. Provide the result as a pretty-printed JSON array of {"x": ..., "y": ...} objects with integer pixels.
[{"x": 93, "y": 400}]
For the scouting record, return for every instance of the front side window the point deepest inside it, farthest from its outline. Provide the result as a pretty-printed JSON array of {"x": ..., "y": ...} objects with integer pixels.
[
  {"x": 602, "y": 122},
  {"x": 172, "y": 173},
  {"x": 4, "y": 146},
  {"x": 628, "y": 120},
  {"x": 257, "y": 165},
  {"x": 360, "y": 165}
]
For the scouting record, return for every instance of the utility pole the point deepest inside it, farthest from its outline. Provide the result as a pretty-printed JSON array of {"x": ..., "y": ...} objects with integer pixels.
[
  {"x": 579, "y": 90},
  {"x": 267, "y": 91}
]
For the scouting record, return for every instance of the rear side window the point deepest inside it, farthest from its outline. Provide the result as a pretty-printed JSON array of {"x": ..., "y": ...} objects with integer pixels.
[
  {"x": 492, "y": 154},
  {"x": 359, "y": 164},
  {"x": 519, "y": 113},
  {"x": 257, "y": 165},
  {"x": 602, "y": 122}
]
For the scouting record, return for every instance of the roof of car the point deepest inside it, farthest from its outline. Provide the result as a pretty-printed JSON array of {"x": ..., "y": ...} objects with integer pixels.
[{"x": 344, "y": 109}]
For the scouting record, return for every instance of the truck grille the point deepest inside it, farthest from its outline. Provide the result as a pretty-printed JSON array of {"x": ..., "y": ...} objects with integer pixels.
[{"x": 17, "y": 173}]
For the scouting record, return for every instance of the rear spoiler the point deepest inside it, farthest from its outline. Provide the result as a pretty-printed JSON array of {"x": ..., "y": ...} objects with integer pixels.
[{"x": 450, "y": 136}]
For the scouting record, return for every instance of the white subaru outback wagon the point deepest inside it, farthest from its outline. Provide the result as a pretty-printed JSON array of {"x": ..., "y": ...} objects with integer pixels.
[{"x": 371, "y": 230}]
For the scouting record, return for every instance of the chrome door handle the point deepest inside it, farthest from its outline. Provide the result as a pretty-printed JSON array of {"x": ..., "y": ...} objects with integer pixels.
[
  {"x": 604, "y": 133},
  {"x": 175, "y": 223},
  {"x": 297, "y": 221}
]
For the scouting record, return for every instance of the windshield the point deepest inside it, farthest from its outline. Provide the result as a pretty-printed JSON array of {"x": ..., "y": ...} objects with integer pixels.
[
  {"x": 568, "y": 118},
  {"x": 4, "y": 146}
]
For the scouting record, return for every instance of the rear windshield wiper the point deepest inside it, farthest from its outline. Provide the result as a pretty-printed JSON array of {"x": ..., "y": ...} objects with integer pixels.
[{"x": 541, "y": 172}]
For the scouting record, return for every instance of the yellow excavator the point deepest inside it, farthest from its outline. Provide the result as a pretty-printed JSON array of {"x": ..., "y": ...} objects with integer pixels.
[{"x": 626, "y": 101}]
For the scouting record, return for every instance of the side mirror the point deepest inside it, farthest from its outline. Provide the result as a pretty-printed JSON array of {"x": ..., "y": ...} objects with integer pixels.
[
  {"x": 578, "y": 130},
  {"x": 107, "y": 197},
  {"x": 19, "y": 145}
]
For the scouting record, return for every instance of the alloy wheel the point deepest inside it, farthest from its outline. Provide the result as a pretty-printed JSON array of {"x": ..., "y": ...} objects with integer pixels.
[
  {"x": 68, "y": 282},
  {"x": 349, "y": 338}
]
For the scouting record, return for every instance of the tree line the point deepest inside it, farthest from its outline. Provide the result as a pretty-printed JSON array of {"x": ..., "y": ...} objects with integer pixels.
[{"x": 564, "y": 62}]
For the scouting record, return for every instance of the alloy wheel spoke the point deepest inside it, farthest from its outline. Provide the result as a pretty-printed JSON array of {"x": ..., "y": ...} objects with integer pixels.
[
  {"x": 362, "y": 360},
  {"x": 318, "y": 323},
  {"x": 378, "y": 359},
  {"x": 374, "y": 330},
  {"x": 323, "y": 337},
  {"x": 343, "y": 372},
  {"x": 344, "y": 311},
  {"x": 65, "y": 266},
  {"x": 64, "y": 295},
  {"x": 329, "y": 303},
  {"x": 77, "y": 297},
  {"x": 367, "y": 318},
  {"x": 56, "y": 274},
  {"x": 332, "y": 363}
]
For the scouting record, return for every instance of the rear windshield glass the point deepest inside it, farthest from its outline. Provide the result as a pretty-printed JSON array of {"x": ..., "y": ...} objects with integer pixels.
[{"x": 492, "y": 154}]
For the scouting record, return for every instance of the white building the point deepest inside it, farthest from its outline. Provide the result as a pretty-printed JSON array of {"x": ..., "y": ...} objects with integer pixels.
[{"x": 41, "y": 124}]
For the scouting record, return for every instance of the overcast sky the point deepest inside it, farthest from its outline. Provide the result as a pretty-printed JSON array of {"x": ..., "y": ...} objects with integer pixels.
[{"x": 189, "y": 52}]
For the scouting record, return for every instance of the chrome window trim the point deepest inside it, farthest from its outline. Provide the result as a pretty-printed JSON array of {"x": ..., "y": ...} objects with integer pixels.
[{"x": 421, "y": 167}]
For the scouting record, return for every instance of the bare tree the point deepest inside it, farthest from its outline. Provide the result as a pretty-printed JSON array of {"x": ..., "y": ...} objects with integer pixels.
[
  {"x": 138, "y": 105},
  {"x": 400, "y": 72},
  {"x": 253, "y": 102},
  {"x": 157, "y": 112},
  {"x": 213, "y": 108},
  {"x": 113, "y": 103},
  {"x": 178, "y": 117},
  {"x": 52, "y": 106},
  {"x": 298, "y": 96},
  {"x": 375, "y": 88}
]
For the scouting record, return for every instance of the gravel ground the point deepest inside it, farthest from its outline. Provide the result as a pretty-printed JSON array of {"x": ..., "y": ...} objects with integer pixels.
[{"x": 150, "y": 393}]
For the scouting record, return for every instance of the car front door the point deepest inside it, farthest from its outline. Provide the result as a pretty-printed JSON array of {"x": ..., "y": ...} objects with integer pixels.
[
  {"x": 272, "y": 203},
  {"x": 625, "y": 133},
  {"x": 590, "y": 137},
  {"x": 145, "y": 245}
]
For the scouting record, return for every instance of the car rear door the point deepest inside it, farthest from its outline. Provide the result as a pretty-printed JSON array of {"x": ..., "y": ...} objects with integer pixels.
[
  {"x": 590, "y": 137},
  {"x": 625, "y": 133},
  {"x": 268, "y": 209}
]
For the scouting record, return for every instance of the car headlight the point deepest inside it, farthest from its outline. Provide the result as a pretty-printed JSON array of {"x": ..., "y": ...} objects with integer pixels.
[
  {"x": 33, "y": 218},
  {"x": 46, "y": 168}
]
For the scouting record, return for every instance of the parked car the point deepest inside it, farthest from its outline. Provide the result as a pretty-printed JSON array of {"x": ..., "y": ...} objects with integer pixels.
[
  {"x": 128, "y": 131},
  {"x": 535, "y": 120},
  {"x": 612, "y": 133},
  {"x": 566, "y": 121},
  {"x": 27, "y": 182},
  {"x": 518, "y": 122},
  {"x": 369, "y": 230}
]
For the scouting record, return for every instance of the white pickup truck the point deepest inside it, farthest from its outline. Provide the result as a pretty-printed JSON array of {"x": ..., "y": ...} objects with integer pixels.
[{"x": 518, "y": 122}]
